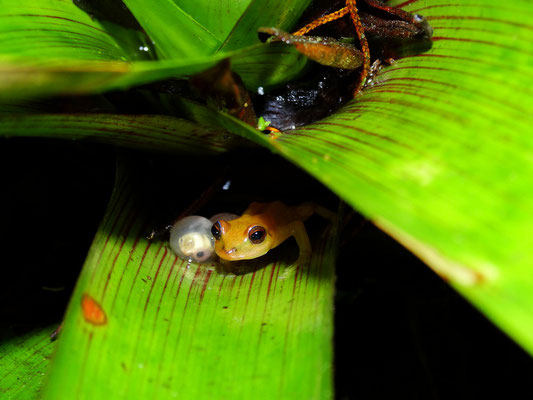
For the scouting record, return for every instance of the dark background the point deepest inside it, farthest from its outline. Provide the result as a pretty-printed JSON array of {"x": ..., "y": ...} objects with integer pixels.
[{"x": 399, "y": 330}]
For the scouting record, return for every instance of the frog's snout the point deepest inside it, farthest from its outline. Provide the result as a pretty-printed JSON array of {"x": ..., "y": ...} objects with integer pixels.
[
  {"x": 226, "y": 254},
  {"x": 230, "y": 251}
]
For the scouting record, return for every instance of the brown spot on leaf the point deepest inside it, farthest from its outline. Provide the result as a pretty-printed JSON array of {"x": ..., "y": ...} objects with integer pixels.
[{"x": 92, "y": 310}]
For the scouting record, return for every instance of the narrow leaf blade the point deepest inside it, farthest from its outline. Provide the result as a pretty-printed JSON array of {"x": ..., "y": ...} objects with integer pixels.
[
  {"x": 149, "y": 132},
  {"x": 175, "y": 33},
  {"x": 278, "y": 13}
]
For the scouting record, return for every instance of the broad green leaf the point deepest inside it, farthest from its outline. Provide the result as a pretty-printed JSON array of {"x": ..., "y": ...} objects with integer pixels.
[
  {"x": 438, "y": 154},
  {"x": 149, "y": 132},
  {"x": 52, "y": 29},
  {"x": 281, "y": 14},
  {"x": 261, "y": 65},
  {"x": 176, "y": 34},
  {"x": 24, "y": 361},
  {"x": 79, "y": 55},
  {"x": 219, "y": 17},
  {"x": 31, "y": 78},
  {"x": 165, "y": 328},
  {"x": 193, "y": 28}
]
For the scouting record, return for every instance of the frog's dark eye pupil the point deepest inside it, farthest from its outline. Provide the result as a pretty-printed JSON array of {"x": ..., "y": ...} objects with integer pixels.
[
  {"x": 257, "y": 234},
  {"x": 215, "y": 230}
]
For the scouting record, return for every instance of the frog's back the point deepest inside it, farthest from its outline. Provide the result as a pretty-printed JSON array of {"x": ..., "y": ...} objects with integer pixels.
[{"x": 280, "y": 212}]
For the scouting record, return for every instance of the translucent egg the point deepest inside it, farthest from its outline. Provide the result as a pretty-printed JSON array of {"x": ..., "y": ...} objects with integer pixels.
[
  {"x": 223, "y": 216},
  {"x": 191, "y": 239}
]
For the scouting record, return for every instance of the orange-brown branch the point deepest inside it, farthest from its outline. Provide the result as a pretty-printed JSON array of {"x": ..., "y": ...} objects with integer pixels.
[
  {"x": 351, "y": 8},
  {"x": 321, "y": 21},
  {"x": 354, "y": 14}
]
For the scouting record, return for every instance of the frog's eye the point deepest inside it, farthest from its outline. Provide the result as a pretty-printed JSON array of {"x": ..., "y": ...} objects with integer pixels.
[
  {"x": 216, "y": 230},
  {"x": 257, "y": 234}
]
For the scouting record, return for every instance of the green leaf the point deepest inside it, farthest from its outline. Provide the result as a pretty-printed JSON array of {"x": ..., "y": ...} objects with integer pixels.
[
  {"x": 262, "y": 124},
  {"x": 51, "y": 29},
  {"x": 80, "y": 55},
  {"x": 149, "y": 132},
  {"x": 167, "y": 328},
  {"x": 218, "y": 17},
  {"x": 438, "y": 154},
  {"x": 176, "y": 34},
  {"x": 192, "y": 28},
  {"x": 185, "y": 28},
  {"x": 263, "y": 65},
  {"x": 281, "y": 14},
  {"x": 24, "y": 360}
]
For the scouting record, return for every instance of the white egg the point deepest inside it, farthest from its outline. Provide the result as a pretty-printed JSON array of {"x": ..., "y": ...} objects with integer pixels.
[{"x": 191, "y": 239}]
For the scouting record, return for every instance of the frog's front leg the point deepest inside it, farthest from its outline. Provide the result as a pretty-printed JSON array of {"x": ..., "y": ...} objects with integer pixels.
[{"x": 304, "y": 245}]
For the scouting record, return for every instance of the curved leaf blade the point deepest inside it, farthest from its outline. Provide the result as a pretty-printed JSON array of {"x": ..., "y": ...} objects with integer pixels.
[
  {"x": 81, "y": 55},
  {"x": 438, "y": 153},
  {"x": 149, "y": 132},
  {"x": 261, "y": 65},
  {"x": 51, "y": 29},
  {"x": 177, "y": 329}
]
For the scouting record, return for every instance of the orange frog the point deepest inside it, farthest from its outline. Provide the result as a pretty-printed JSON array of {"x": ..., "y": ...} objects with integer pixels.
[{"x": 262, "y": 227}]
